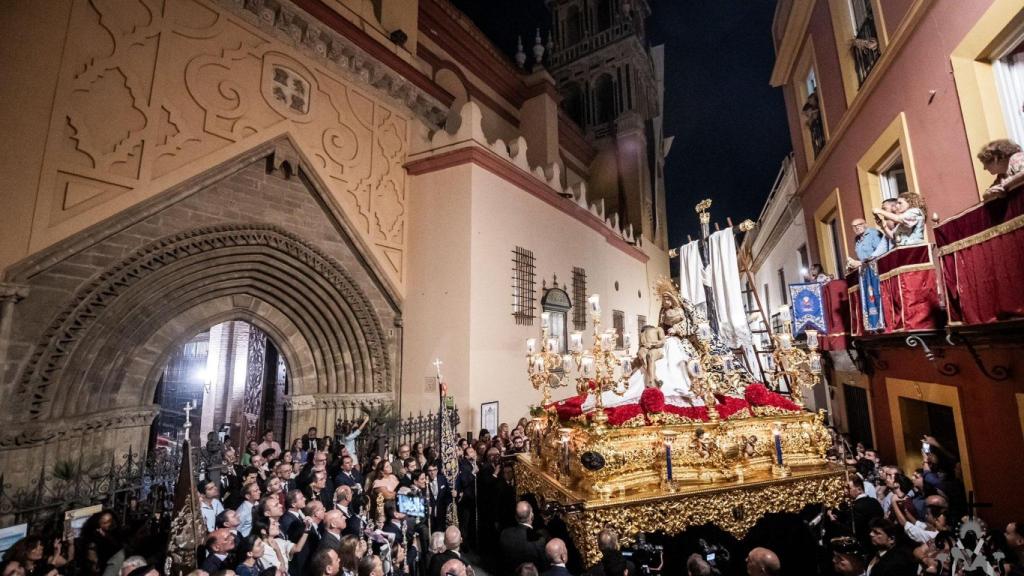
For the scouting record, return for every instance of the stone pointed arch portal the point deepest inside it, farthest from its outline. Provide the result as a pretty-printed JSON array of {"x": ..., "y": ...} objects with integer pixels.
[{"x": 255, "y": 239}]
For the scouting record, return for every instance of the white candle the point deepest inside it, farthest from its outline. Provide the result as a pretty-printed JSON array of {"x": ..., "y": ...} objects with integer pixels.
[
  {"x": 538, "y": 363},
  {"x": 577, "y": 341},
  {"x": 587, "y": 366},
  {"x": 545, "y": 320},
  {"x": 784, "y": 342},
  {"x": 812, "y": 339},
  {"x": 784, "y": 313},
  {"x": 531, "y": 345},
  {"x": 814, "y": 363}
]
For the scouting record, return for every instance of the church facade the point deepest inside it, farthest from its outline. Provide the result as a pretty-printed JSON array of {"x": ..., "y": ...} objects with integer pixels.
[{"x": 371, "y": 185}]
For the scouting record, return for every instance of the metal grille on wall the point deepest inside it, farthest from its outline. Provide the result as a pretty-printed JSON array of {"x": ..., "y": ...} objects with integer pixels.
[
  {"x": 523, "y": 284},
  {"x": 579, "y": 298}
]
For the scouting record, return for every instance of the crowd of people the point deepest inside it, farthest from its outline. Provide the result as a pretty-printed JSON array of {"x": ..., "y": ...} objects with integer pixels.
[{"x": 320, "y": 509}]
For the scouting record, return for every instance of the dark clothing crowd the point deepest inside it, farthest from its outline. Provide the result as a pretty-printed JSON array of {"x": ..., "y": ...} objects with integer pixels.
[{"x": 319, "y": 508}]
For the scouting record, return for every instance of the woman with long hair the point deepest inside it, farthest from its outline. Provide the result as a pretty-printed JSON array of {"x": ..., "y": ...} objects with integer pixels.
[
  {"x": 909, "y": 218},
  {"x": 252, "y": 563},
  {"x": 371, "y": 472},
  {"x": 30, "y": 553},
  {"x": 251, "y": 449},
  {"x": 385, "y": 479},
  {"x": 348, "y": 554},
  {"x": 98, "y": 541}
]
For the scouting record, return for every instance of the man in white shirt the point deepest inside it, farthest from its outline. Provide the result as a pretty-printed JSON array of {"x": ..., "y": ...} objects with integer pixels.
[
  {"x": 936, "y": 509},
  {"x": 269, "y": 444},
  {"x": 209, "y": 503},
  {"x": 251, "y": 493}
]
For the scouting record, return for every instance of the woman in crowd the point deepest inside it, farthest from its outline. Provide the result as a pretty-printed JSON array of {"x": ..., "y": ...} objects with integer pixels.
[
  {"x": 298, "y": 454},
  {"x": 349, "y": 554},
  {"x": 909, "y": 217},
  {"x": 251, "y": 449},
  {"x": 98, "y": 541},
  {"x": 275, "y": 488},
  {"x": 385, "y": 479},
  {"x": 251, "y": 564},
  {"x": 417, "y": 453},
  {"x": 1004, "y": 160},
  {"x": 29, "y": 553}
]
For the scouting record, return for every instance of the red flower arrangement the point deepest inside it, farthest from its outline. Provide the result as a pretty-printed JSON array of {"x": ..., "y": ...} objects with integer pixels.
[
  {"x": 759, "y": 395},
  {"x": 729, "y": 406},
  {"x": 652, "y": 401}
]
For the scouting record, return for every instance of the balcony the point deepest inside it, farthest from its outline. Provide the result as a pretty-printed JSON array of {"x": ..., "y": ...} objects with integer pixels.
[
  {"x": 981, "y": 252},
  {"x": 591, "y": 42},
  {"x": 865, "y": 48}
]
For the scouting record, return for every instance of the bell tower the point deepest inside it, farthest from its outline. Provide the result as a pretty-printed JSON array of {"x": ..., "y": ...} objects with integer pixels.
[{"x": 611, "y": 84}]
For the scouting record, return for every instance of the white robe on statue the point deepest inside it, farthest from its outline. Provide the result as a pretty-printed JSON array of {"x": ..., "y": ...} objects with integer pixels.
[
  {"x": 692, "y": 274},
  {"x": 727, "y": 290},
  {"x": 670, "y": 369}
]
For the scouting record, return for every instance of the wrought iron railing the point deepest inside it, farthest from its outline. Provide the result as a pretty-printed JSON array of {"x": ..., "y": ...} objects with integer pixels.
[
  {"x": 865, "y": 48},
  {"x": 133, "y": 487},
  {"x": 386, "y": 433}
]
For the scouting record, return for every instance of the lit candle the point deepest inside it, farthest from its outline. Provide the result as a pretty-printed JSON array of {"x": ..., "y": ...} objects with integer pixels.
[
  {"x": 538, "y": 363},
  {"x": 545, "y": 320},
  {"x": 587, "y": 366},
  {"x": 531, "y": 345},
  {"x": 814, "y": 362},
  {"x": 627, "y": 339},
  {"x": 606, "y": 340},
  {"x": 777, "y": 432},
  {"x": 577, "y": 341},
  {"x": 595, "y": 304},
  {"x": 784, "y": 342},
  {"x": 567, "y": 360},
  {"x": 812, "y": 339}
]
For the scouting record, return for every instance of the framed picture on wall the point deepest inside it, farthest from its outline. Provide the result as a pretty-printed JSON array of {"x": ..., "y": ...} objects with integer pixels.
[{"x": 489, "y": 416}]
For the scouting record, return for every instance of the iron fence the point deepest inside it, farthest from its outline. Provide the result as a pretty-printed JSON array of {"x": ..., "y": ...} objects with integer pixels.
[
  {"x": 383, "y": 434},
  {"x": 133, "y": 487}
]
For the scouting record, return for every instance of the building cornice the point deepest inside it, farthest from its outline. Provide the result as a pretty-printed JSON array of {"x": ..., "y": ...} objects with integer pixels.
[
  {"x": 792, "y": 39},
  {"x": 490, "y": 161}
]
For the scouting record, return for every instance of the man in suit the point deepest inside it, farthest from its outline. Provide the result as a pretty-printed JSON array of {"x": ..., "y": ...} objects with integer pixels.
[
  {"x": 891, "y": 557},
  {"x": 608, "y": 544},
  {"x": 864, "y": 509},
  {"x": 409, "y": 465},
  {"x": 334, "y": 523},
  {"x": 314, "y": 518},
  {"x": 521, "y": 543},
  {"x": 343, "y": 504},
  {"x": 452, "y": 543},
  {"x": 310, "y": 443},
  {"x": 763, "y": 562},
  {"x": 293, "y": 517},
  {"x": 349, "y": 476},
  {"x": 558, "y": 555},
  {"x": 465, "y": 488},
  {"x": 219, "y": 545},
  {"x": 319, "y": 490},
  {"x": 439, "y": 495}
]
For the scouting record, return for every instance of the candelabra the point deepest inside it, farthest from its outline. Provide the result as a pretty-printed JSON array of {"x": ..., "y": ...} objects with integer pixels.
[
  {"x": 800, "y": 368},
  {"x": 548, "y": 369}
]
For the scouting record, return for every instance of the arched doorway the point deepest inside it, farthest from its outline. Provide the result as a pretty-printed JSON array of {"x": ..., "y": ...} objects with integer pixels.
[{"x": 231, "y": 379}]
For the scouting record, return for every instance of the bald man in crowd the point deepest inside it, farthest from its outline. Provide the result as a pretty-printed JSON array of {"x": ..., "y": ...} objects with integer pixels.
[
  {"x": 558, "y": 555},
  {"x": 521, "y": 543},
  {"x": 763, "y": 562}
]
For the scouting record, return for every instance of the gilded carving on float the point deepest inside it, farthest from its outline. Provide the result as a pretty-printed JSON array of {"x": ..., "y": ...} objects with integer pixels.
[
  {"x": 154, "y": 93},
  {"x": 710, "y": 445}
]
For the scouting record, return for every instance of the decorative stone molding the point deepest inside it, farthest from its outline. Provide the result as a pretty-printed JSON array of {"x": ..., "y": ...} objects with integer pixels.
[
  {"x": 37, "y": 433},
  {"x": 72, "y": 325},
  {"x": 295, "y": 27},
  {"x": 14, "y": 293}
]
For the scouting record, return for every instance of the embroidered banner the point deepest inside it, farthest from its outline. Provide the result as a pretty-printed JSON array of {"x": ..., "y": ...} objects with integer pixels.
[
  {"x": 870, "y": 298},
  {"x": 808, "y": 311}
]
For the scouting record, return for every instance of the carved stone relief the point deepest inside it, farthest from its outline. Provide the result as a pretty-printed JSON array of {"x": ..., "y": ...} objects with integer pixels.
[{"x": 150, "y": 92}]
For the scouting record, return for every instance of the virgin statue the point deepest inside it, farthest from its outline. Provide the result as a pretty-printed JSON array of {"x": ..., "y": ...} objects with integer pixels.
[{"x": 680, "y": 322}]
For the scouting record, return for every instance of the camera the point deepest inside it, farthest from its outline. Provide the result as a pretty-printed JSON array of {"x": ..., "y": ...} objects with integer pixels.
[
  {"x": 715, "y": 554},
  {"x": 646, "y": 556}
]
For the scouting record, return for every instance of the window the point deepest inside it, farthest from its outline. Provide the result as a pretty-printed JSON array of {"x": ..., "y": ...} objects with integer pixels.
[
  {"x": 1009, "y": 70},
  {"x": 805, "y": 260},
  {"x": 783, "y": 287},
  {"x": 579, "y": 296},
  {"x": 641, "y": 321},
  {"x": 893, "y": 177},
  {"x": 604, "y": 99},
  {"x": 604, "y": 14},
  {"x": 865, "y": 45},
  {"x": 887, "y": 168},
  {"x": 556, "y": 304},
  {"x": 619, "y": 324},
  {"x": 523, "y": 283},
  {"x": 828, "y": 225},
  {"x": 808, "y": 100}
]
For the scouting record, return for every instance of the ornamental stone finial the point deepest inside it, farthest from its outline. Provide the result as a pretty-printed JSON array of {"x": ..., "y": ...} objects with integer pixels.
[{"x": 520, "y": 55}]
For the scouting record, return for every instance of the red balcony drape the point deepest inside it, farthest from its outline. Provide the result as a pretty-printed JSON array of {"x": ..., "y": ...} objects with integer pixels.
[
  {"x": 910, "y": 298},
  {"x": 982, "y": 255}
]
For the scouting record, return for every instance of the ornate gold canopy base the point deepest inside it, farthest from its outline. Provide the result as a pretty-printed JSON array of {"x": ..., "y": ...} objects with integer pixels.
[{"x": 734, "y": 506}]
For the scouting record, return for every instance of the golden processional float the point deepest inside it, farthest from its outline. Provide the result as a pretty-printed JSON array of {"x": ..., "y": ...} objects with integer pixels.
[{"x": 715, "y": 447}]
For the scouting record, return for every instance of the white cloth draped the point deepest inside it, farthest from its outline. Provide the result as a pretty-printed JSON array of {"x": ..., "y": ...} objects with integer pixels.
[
  {"x": 691, "y": 274},
  {"x": 727, "y": 290},
  {"x": 670, "y": 369}
]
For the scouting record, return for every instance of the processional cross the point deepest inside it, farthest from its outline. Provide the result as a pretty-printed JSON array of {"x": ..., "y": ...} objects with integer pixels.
[
  {"x": 189, "y": 406},
  {"x": 440, "y": 383}
]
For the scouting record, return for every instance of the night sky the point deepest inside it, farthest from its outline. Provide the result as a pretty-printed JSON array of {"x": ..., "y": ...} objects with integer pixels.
[{"x": 729, "y": 124}]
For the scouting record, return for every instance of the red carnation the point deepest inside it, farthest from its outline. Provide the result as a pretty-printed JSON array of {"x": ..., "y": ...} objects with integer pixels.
[{"x": 652, "y": 401}]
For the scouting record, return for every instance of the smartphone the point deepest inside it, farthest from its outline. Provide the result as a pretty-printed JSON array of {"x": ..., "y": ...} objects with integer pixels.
[
  {"x": 710, "y": 557},
  {"x": 925, "y": 447}
]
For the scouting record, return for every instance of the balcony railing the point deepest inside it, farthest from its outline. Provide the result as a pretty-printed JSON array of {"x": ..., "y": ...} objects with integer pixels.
[
  {"x": 865, "y": 48},
  {"x": 981, "y": 252},
  {"x": 591, "y": 42}
]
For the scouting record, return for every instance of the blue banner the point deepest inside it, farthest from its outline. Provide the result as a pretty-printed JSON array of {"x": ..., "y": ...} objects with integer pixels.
[
  {"x": 808, "y": 312},
  {"x": 870, "y": 298}
]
